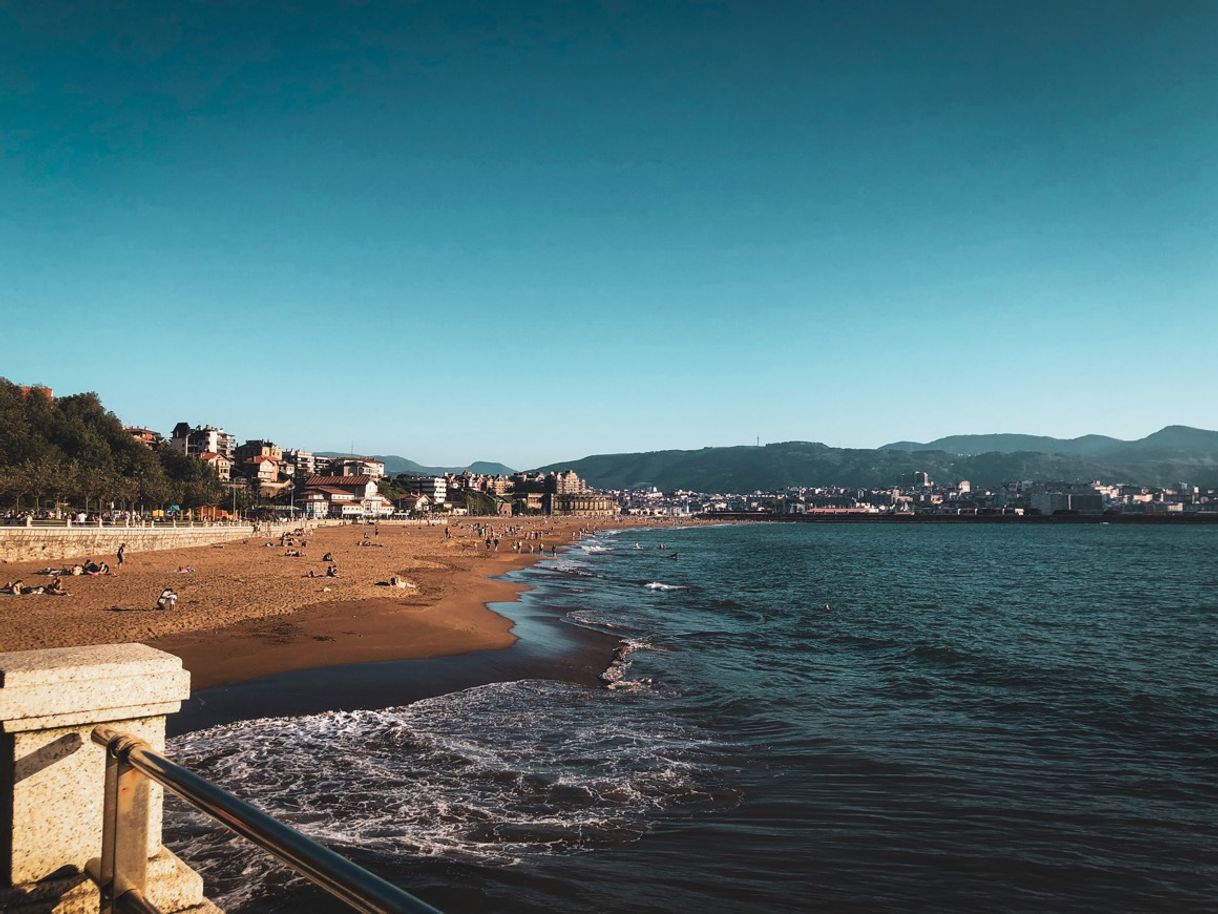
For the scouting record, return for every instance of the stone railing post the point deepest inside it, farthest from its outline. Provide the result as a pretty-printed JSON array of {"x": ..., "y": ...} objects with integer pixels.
[{"x": 52, "y": 775}]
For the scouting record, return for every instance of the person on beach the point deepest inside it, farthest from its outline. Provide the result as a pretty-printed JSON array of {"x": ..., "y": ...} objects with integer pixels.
[
  {"x": 14, "y": 587},
  {"x": 121, "y": 555},
  {"x": 332, "y": 571},
  {"x": 56, "y": 588},
  {"x": 167, "y": 600}
]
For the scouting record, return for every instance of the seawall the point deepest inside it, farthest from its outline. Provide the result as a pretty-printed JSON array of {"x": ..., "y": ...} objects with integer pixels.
[{"x": 29, "y": 544}]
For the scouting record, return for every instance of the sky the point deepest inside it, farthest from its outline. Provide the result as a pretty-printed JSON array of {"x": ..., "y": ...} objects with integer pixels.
[{"x": 528, "y": 232}]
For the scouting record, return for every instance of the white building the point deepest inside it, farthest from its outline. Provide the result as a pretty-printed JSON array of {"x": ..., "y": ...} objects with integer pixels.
[{"x": 434, "y": 487}]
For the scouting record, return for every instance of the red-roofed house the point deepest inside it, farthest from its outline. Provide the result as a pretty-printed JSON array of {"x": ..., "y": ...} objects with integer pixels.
[
  {"x": 412, "y": 503},
  {"x": 218, "y": 462},
  {"x": 343, "y": 496}
]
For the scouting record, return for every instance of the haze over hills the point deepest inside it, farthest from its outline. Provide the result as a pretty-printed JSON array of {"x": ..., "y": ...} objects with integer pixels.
[
  {"x": 395, "y": 464},
  {"x": 1174, "y": 454}
]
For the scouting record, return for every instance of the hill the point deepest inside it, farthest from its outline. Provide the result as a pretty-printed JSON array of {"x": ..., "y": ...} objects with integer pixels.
[
  {"x": 1172, "y": 441},
  {"x": 395, "y": 464},
  {"x": 1171, "y": 455}
]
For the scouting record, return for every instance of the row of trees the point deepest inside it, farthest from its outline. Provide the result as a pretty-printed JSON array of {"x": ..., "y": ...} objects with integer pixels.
[{"x": 71, "y": 450}]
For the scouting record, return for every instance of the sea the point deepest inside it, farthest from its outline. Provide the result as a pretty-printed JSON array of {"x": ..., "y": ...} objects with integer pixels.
[{"x": 812, "y": 717}]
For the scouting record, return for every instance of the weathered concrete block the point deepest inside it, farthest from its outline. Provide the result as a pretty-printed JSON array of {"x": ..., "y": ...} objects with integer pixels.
[{"x": 52, "y": 775}]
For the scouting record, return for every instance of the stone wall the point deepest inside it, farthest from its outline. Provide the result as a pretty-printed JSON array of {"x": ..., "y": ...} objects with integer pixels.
[{"x": 32, "y": 544}]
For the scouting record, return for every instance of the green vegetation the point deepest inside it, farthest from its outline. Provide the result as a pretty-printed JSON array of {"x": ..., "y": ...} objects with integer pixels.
[
  {"x": 481, "y": 503},
  {"x": 1166, "y": 457},
  {"x": 71, "y": 450}
]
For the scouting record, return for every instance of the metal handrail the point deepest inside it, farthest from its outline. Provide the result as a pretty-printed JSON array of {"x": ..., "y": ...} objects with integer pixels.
[{"x": 334, "y": 873}]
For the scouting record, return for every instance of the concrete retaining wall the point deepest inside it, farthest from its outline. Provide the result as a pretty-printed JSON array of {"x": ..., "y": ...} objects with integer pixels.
[{"x": 31, "y": 544}]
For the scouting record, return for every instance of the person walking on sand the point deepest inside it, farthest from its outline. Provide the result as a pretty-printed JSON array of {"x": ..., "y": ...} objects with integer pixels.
[{"x": 122, "y": 554}]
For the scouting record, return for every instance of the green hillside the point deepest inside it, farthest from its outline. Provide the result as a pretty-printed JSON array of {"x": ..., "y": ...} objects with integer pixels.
[
  {"x": 802, "y": 463},
  {"x": 72, "y": 450}
]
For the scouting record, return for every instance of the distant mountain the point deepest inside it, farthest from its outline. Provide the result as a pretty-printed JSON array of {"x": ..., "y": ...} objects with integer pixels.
[
  {"x": 1174, "y": 440},
  {"x": 395, "y": 464},
  {"x": 1174, "y": 454},
  {"x": 1087, "y": 445}
]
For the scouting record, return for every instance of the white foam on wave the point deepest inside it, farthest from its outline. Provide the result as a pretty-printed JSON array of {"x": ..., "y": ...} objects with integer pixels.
[
  {"x": 491, "y": 775},
  {"x": 593, "y": 548},
  {"x": 570, "y": 566},
  {"x": 659, "y": 585}
]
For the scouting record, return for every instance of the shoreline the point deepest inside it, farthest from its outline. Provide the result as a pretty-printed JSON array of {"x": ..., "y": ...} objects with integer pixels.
[
  {"x": 544, "y": 646},
  {"x": 261, "y": 637},
  {"x": 246, "y": 609},
  {"x": 384, "y": 628}
]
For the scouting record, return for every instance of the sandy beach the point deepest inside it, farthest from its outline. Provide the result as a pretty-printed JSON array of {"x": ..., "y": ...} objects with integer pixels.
[{"x": 249, "y": 609}]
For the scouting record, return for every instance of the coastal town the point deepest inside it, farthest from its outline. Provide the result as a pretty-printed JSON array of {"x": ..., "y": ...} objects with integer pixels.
[
  {"x": 218, "y": 479},
  {"x": 355, "y": 487},
  {"x": 920, "y": 496},
  {"x": 296, "y": 482}
]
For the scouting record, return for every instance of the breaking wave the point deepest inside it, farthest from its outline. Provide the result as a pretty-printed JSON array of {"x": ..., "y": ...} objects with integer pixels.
[{"x": 491, "y": 775}]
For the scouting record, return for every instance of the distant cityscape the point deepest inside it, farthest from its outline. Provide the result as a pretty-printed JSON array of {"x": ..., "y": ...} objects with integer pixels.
[
  {"x": 355, "y": 486},
  {"x": 261, "y": 474},
  {"x": 921, "y": 495}
]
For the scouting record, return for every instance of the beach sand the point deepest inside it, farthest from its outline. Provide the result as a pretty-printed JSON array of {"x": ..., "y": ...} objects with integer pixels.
[{"x": 247, "y": 610}]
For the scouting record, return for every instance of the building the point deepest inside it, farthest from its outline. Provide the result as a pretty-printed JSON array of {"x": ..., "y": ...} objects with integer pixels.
[
  {"x": 413, "y": 504},
  {"x": 261, "y": 469},
  {"x": 564, "y": 482},
  {"x": 1079, "y": 502},
  {"x": 351, "y": 497},
  {"x": 259, "y": 448},
  {"x": 522, "y": 483},
  {"x": 305, "y": 462},
  {"x": 582, "y": 503},
  {"x": 218, "y": 462},
  {"x": 145, "y": 436},
  {"x": 357, "y": 466},
  {"x": 920, "y": 480},
  {"x": 434, "y": 487},
  {"x": 195, "y": 441}
]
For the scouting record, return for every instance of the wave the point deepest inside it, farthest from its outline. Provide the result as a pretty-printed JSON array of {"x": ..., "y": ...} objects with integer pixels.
[
  {"x": 657, "y": 585},
  {"x": 492, "y": 775},
  {"x": 570, "y": 566}
]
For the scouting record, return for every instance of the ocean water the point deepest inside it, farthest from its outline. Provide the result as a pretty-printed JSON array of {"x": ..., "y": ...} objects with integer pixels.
[{"x": 814, "y": 718}]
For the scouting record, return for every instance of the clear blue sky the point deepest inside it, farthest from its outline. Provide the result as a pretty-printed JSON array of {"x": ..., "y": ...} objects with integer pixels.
[{"x": 533, "y": 231}]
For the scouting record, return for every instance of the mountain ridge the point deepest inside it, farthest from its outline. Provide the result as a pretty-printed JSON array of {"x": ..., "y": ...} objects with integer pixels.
[
  {"x": 395, "y": 464},
  {"x": 1168, "y": 438},
  {"x": 1173, "y": 454}
]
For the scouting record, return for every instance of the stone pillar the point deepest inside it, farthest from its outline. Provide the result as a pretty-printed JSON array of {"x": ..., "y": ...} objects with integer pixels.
[{"x": 52, "y": 774}]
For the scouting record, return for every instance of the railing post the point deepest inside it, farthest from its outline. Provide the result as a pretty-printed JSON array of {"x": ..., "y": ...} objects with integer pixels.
[
  {"x": 53, "y": 777},
  {"x": 124, "y": 857}
]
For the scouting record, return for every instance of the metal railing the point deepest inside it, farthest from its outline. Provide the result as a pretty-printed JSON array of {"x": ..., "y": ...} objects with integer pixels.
[{"x": 122, "y": 871}]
